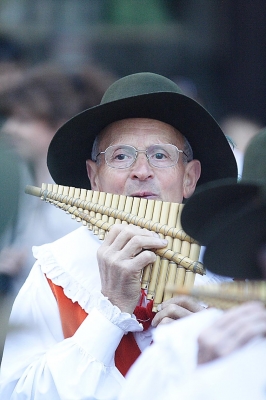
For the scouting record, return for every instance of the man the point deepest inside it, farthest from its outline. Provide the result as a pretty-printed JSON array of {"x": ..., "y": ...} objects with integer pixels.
[
  {"x": 215, "y": 354},
  {"x": 79, "y": 299}
]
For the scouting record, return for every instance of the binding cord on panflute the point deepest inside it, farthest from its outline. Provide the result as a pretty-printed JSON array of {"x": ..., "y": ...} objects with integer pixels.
[{"x": 178, "y": 263}]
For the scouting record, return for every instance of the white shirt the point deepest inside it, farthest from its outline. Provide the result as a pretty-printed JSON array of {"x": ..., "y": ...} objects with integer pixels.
[
  {"x": 171, "y": 371},
  {"x": 38, "y": 363}
]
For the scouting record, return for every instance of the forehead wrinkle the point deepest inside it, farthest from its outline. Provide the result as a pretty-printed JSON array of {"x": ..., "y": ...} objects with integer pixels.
[{"x": 113, "y": 134}]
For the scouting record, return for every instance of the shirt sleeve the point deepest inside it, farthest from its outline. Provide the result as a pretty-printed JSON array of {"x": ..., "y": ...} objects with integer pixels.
[{"x": 38, "y": 363}]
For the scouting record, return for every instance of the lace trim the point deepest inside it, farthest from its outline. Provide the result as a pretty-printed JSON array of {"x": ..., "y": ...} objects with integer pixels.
[{"x": 77, "y": 292}]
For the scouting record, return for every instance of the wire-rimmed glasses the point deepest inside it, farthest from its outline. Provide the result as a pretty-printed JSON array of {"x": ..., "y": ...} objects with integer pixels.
[{"x": 158, "y": 155}]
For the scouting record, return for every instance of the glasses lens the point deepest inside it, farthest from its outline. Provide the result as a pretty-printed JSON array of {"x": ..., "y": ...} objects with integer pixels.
[
  {"x": 120, "y": 156},
  {"x": 163, "y": 155}
]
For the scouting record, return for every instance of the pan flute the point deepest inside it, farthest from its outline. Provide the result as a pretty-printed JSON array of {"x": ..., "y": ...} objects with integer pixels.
[
  {"x": 176, "y": 264},
  {"x": 225, "y": 295}
]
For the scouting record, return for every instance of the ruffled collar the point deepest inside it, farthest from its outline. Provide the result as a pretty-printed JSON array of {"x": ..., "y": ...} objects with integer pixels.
[{"x": 71, "y": 262}]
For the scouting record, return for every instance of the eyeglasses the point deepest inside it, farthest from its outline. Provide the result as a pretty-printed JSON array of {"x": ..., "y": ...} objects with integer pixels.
[{"x": 158, "y": 155}]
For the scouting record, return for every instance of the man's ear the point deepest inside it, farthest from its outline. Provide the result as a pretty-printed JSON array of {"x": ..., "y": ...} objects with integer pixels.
[
  {"x": 92, "y": 172},
  {"x": 191, "y": 177}
]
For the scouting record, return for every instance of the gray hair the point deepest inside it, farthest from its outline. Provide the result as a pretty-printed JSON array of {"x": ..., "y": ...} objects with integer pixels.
[
  {"x": 95, "y": 148},
  {"x": 188, "y": 150}
]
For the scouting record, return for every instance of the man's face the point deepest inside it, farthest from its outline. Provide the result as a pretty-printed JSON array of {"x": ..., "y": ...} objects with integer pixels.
[{"x": 142, "y": 179}]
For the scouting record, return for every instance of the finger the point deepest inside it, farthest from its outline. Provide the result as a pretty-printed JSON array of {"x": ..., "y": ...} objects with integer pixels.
[
  {"x": 244, "y": 335},
  {"x": 120, "y": 235},
  {"x": 244, "y": 328},
  {"x": 140, "y": 261},
  {"x": 234, "y": 329},
  {"x": 165, "y": 321},
  {"x": 173, "y": 312},
  {"x": 183, "y": 301},
  {"x": 131, "y": 241},
  {"x": 240, "y": 315},
  {"x": 138, "y": 243}
]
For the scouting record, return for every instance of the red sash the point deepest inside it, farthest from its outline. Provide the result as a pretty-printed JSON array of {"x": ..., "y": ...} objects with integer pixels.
[{"x": 72, "y": 315}]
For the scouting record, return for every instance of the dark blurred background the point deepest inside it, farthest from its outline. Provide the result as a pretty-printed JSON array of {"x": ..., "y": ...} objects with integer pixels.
[{"x": 216, "y": 49}]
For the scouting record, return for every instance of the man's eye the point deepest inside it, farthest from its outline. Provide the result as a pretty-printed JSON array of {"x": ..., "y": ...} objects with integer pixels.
[
  {"x": 160, "y": 156},
  {"x": 121, "y": 156}
]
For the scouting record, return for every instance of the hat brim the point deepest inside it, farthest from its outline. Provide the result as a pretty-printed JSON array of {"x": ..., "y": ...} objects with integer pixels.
[
  {"x": 234, "y": 250},
  {"x": 72, "y": 144},
  {"x": 214, "y": 205}
]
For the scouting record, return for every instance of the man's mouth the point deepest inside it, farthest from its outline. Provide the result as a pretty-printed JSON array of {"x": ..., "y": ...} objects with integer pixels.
[{"x": 145, "y": 195}]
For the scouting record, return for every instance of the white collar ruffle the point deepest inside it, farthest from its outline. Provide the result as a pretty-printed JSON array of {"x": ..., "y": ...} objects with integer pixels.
[{"x": 71, "y": 262}]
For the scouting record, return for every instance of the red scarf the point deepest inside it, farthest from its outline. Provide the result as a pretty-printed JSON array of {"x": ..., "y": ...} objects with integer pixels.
[{"x": 72, "y": 316}]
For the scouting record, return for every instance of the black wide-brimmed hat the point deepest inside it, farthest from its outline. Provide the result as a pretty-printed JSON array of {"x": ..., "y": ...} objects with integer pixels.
[
  {"x": 218, "y": 203},
  {"x": 234, "y": 251},
  {"x": 141, "y": 95}
]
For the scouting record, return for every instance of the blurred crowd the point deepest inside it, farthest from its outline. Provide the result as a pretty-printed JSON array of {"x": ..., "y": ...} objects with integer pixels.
[{"x": 35, "y": 101}]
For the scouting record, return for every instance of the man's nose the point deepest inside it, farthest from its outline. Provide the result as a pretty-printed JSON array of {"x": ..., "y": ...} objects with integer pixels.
[{"x": 141, "y": 169}]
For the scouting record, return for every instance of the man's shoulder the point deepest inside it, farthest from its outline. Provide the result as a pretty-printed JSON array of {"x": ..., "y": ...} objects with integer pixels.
[
  {"x": 74, "y": 237},
  {"x": 72, "y": 258},
  {"x": 80, "y": 243}
]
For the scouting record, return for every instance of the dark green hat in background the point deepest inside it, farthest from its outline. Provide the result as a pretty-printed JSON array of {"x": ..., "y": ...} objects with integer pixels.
[
  {"x": 141, "y": 95},
  {"x": 217, "y": 203},
  {"x": 254, "y": 167},
  {"x": 234, "y": 251}
]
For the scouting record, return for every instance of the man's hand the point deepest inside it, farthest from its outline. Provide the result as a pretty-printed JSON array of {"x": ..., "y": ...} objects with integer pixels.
[
  {"x": 126, "y": 250},
  {"x": 232, "y": 330},
  {"x": 175, "y": 308}
]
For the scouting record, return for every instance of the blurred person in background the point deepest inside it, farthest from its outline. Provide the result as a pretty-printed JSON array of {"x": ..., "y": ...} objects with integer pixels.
[
  {"x": 241, "y": 130},
  {"x": 32, "y": 109},
  {"x": 40, "y": 102},
  {"x": 10, "y": 177},
  {"x": 10, "y": 190},
  {"x": 12, "y": 65},
  {"x": 14, "y": 175}
]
